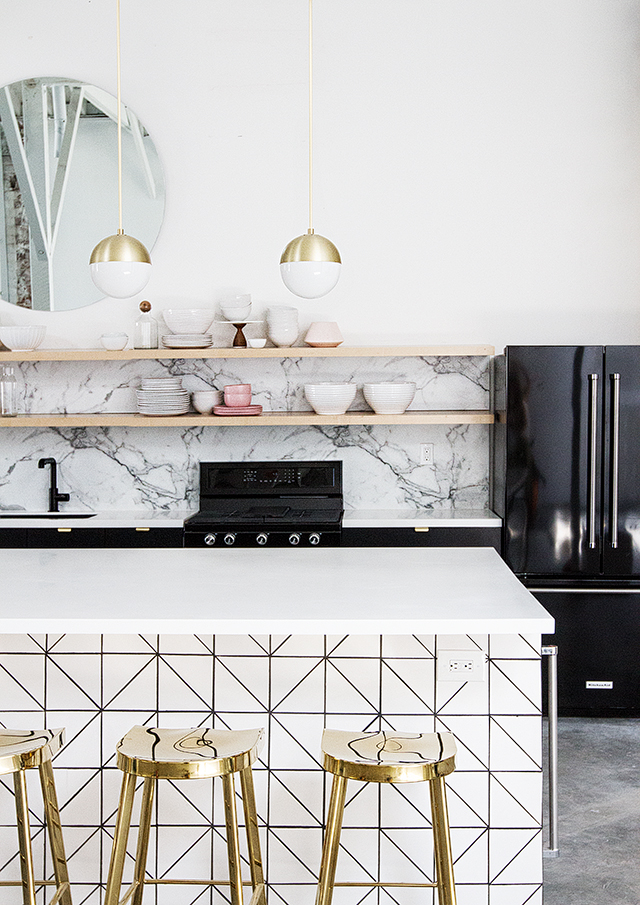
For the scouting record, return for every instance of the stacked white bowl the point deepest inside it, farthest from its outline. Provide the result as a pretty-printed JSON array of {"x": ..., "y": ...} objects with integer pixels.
[
  {"x": 22, "y": 339},
  {"x": 188, "y": 327},
  {"x": 389, "y": 398},
  {"x": 330, "y": 398},
  {"x": 282, "y": 325},
  {"x": 236, "y": 308}
]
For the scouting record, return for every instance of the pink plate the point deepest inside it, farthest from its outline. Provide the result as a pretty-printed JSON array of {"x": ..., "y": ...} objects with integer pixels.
[{"x": 237, "y": 409}]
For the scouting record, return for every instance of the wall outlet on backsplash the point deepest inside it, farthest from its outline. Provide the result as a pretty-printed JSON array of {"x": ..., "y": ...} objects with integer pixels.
[{"x": 426, "y": 453}]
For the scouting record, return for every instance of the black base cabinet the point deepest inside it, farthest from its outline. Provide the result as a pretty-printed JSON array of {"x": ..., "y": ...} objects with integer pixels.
[
  {"x": 598, "y": 639},
  {"x": 434, "y": 537},
  {"x": 39, "y": 538}
]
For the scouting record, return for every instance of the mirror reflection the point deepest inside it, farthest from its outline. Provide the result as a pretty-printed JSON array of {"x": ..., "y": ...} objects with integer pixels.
[{"x": 59, "y": 175}]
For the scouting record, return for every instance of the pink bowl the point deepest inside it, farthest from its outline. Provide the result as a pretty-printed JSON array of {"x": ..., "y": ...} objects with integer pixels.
[{"x": 237, "y": 394}]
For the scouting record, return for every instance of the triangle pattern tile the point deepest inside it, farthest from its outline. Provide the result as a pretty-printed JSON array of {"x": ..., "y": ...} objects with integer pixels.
[
  {"x": 184, "y": 851},
  {"x": 114, "y": 726},
  {"x": 405, "y": 804},
  {"x": 297, "y": 645},
  {"x": 353, "y": 686},
  {"x": 22, "y": 644},
  {"x": 361, "y": 805},
  {"x": 297, "y": 684},
  {"x": 294, "y": 854},
  {"x": 82, "y": 845},
  {"x": 358, "y": 859},
  {"x": 22, "y": 682},
  {"x": 184, "y": 683},
  {"x": 129, "y": 682},
  {"x": 515, "y": 800},
  {"x": 468, "y": 798},
  {"x": 513, "y": 646},
  {"x": 515, "y": 686},
  {"x": 58, "y": 645},
  {"x": 353, "y": 646},
  {"x": 241, "y": 645},
  {"x": 477, "y": 894},
  {"x": 406, "y": 856},
  {"x": 82, "y": 746},
  {"x": 472, "y": 740},
  {"x": 185, "y": 803},
  {"x": 79, "y": 793},
  {"x": 73, "y": 681},
  {"x": 407, "y": 686},
  {"x": 198, "y": 645},
  {"x": 461, "y": 642},
  {"x": 129, "y": 644},
  {"x": 515, "y": 743},
  {"x": 241, "y": 683},
  {"x": 525, "y": 894},
  {"x": 515, "y": 854},
  {"x": 296, "y": 738},
  {"x": 410, "y": 646},
  {"x": 470, "y": 849},
  {"x": 462, "y": 697},
  {"x": 294, "y": 797}
]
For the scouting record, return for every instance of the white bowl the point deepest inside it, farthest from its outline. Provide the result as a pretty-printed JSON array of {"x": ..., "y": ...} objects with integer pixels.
[
  {"x": 204, "y": 400},
  {"x": 323, "y": 334},
  {"x": 114, "y": 342},
  {"x": 330, "y": 398},
  {"x": 22, "y": 339},
  {"x": 188, "y": 320},
  {"x": 237, "y": 312},
  {"x": 257, "y": 343},
  {"x": 389, "y": 398}
]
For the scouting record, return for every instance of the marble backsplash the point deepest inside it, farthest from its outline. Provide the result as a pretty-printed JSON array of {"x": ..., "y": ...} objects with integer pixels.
[{"x": 157, "y": 468}]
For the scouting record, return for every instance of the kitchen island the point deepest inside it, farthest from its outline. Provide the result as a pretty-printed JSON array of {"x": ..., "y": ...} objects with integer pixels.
[{"x": 98, "y": 640}]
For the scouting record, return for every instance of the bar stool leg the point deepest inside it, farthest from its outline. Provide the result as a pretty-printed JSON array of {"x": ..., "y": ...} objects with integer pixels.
[
  {"x": 142, "y": 849},
  {"x": 233, "y": 840},
  {"x": 24, "y": 838},
  {"x": 119, "y": 850},
  {"x": 331, "y": 844},
  {"x": 54, "y": 828},
  {"x": 253, "y": 837},
  {"x": 442, "y": 842}
]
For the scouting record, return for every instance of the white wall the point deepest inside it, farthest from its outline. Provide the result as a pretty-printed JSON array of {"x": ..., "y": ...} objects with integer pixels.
[{"x": 477, "y": 162}]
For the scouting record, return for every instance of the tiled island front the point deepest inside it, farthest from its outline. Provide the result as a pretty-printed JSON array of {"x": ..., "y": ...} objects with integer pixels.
[{"x": 98, "y": 641}]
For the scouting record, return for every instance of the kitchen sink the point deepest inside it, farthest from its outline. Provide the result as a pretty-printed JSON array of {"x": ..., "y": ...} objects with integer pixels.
[{"x": 20, "y": 513}]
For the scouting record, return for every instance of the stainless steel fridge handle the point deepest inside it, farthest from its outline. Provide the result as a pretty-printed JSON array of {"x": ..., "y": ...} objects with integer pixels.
[
  {"x": 593, "y": 452},
  {"x": 615, "y": 456}
]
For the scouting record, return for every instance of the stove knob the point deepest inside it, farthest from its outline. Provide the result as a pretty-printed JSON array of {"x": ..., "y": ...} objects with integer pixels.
[
  {"x": 229, "y": 539},
  {"x": 314, "y": 538},
  {"x": 209, "y": 539},
  {"x": 262, "y": 538},
  {"x": 294, "y": 539}
]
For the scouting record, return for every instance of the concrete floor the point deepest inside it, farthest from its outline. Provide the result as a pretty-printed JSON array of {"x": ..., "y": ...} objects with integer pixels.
[{"x": 598, "y": 814}]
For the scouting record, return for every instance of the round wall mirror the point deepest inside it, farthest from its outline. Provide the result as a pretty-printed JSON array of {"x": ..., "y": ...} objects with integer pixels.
[{"x": 59, "y": 175}]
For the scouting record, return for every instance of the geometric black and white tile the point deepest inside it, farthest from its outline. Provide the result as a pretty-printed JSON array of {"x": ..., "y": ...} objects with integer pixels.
[{"x": 97, "y": 687}]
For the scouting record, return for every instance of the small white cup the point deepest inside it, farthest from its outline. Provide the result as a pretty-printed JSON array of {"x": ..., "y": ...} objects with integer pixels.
[
  {"x": 204, "y": 400},
  {"x": 257, "y": 343},
  {"x": 114, "y": 342}
]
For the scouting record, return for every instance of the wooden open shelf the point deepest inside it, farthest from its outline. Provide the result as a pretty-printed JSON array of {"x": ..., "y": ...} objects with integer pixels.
[
  {"x": 271, "y": 352},
  {"x": 267, "y": 419}
]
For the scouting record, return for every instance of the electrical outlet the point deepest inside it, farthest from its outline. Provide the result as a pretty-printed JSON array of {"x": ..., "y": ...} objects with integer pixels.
[
  {"x": 426, "y": 453},
  {"x": 461, "y": 665}
]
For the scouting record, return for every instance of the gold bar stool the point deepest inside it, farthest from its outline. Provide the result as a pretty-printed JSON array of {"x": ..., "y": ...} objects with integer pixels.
[
  {"x": 176, "y": 754},
  {"x": 21, "y": 750},
  {"x": 395, "y": 758}
]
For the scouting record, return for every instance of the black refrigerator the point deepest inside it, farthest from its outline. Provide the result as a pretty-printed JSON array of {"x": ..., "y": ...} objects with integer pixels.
[{"x": 566, "y": 482}]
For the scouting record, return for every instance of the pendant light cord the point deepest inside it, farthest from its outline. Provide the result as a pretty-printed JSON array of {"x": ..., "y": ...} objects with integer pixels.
[
  {"x": 310, "y": 116},
  {"x": 120, "y": 229}
]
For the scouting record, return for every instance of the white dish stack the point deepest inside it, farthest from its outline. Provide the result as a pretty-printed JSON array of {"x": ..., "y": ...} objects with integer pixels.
[
  {"x": 188, "y": 328},
  {"x": 162, "y": 396}
]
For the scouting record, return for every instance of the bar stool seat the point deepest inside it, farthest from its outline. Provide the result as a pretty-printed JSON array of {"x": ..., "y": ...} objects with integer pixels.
[
  {"x": 388, "y": 757},
  {"x": 182, "y": 754},
  {"x": 26, "y": 749}
]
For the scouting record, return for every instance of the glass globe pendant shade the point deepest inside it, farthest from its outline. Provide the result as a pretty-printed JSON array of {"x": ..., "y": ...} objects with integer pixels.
[
  {"x": 310, "y": 266},
  {"x": 120, "y": 266}
]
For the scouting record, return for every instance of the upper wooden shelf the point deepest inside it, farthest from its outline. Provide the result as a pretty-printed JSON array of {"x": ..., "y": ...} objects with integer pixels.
[
  {"x": 271, "y": 352},
  {"x": 268, "y": 419}
]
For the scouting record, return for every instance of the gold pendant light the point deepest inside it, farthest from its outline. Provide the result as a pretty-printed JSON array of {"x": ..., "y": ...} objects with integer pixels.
[
  {"x": 120, "y": 265},
  {"x": 310, "y": 264}
]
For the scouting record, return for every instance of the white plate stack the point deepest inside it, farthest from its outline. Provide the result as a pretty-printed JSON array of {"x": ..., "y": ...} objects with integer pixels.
[
  {"x": 187, "y": 340},
  {"x": 162, "y": 396}
]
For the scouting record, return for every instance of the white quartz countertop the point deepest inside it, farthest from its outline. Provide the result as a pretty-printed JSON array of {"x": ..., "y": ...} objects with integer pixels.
[
  {"x": 370, "y": 590},
  {"x": 353, "y": 518}
]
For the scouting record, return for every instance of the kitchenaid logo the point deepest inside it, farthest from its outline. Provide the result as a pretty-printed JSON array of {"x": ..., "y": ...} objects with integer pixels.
[{"x": 600, "y": 685}]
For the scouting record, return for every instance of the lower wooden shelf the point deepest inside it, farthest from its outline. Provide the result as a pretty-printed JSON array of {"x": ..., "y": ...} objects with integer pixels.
[{"x": 267, "y": 419}]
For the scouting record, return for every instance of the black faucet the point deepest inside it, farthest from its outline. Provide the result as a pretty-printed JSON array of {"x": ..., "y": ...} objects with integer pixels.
[{"x": 54, "y": 496}]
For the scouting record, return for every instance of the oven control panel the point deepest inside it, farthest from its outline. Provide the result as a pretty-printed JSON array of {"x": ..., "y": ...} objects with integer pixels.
[{"x": 227, "y": 539}]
